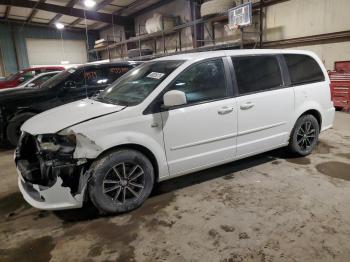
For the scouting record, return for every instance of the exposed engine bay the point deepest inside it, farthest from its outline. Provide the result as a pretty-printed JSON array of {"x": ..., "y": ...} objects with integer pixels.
[{"x": 48, "y": 171}]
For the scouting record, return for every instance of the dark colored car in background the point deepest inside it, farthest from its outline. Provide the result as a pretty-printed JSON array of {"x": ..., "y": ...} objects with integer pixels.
[
  {"x": 26, "y": 74},
  {"x": 17, "y": 105}
]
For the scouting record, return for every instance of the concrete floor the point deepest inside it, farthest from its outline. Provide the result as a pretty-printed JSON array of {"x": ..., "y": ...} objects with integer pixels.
[{"x": 265, "y": 208}]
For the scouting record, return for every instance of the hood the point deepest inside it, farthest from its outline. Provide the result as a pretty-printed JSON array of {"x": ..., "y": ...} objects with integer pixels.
[
  {"x": 59, "y": 118},
  {"x": 17, "y": 92}
]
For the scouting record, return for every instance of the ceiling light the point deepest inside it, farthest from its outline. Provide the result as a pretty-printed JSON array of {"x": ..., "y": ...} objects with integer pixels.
[
  {"x": 89, "y": 3},
  {"x": 59, "y": 25}
]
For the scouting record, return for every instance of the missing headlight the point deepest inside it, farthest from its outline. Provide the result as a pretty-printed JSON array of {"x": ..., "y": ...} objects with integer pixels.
[{"x": 57, "y": 143}]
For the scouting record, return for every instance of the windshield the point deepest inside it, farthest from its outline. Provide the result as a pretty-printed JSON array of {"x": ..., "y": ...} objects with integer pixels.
[
  {"x": 132, "y": 88},
  {"x": 53, "y": 81}
]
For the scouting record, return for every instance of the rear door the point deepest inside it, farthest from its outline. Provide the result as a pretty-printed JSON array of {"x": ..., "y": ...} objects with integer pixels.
[
  {"x": 201, "y": 133},
  {"x": 265, "y": 104}
]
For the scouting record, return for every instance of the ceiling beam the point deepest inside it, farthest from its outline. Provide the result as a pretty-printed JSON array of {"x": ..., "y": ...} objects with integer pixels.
[
  {"x": 34, "y": 12},
  {"x": 19, "y": 22},
  {"x": 64, "y": 10},
  {"x": 149, "y": 8},
  {"x": 71, "y": 3},
  {"x": 96, "y": 8}
]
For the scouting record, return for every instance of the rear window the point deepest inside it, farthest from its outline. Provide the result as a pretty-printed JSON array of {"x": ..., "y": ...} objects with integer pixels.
[
  {"x": 257, "y": 73},
  {"x": 303, "y": 69}
]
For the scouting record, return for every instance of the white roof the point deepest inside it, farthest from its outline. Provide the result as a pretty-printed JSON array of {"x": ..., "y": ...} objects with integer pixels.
[{"x": 238, "y": 52}]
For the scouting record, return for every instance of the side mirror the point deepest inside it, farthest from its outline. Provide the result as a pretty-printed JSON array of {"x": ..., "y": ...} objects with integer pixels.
[
  {"x": 174, "y": 98},
  {"x": 69, "y": 85},
  {"x": 21, "y": 79},
  {"x": 31, "y": 85}
]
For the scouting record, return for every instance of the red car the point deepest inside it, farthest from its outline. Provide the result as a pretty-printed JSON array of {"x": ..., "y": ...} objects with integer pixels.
[{"x": 25, "y": 74}]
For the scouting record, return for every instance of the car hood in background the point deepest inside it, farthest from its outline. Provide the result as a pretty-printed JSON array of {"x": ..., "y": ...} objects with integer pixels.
[
  {"x": 15, "y": 93},
  {"x": 59, "y": 118}
]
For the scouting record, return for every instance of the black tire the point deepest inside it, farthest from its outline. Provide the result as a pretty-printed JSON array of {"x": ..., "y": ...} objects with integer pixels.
[
  {"x": 116, "y": 197},
  {"x": 13, "y": 130},
  {"x": 304, "y": 136}
]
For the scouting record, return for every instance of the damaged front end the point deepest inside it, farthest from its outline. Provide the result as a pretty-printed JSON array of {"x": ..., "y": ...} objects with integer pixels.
[{"x": 49, "y": 176}]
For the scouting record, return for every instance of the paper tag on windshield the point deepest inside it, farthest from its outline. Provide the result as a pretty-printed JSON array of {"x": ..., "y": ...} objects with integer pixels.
[{"x": 156, "y": 75}]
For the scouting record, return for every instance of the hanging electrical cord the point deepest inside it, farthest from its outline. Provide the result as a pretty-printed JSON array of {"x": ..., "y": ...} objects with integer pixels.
[
  {"x": 62, "y": 45},
  {"x": 87, "y": 46}
]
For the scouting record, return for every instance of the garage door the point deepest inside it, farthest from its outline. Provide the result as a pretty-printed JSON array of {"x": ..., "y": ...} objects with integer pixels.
[{"x": 50, "y": 51}]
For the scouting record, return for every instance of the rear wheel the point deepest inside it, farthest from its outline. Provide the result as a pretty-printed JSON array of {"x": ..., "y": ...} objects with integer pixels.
[
  {"x": 121, "y": 181},
  {"x": 13, "y": 130},
  {"x": 304, "y": 136}
]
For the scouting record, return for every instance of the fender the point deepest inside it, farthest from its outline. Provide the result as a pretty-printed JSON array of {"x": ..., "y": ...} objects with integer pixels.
[{"x": 93, "y": 148}]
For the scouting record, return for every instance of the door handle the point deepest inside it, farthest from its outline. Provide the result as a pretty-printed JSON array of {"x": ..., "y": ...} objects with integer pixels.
[
  {"x": 247, "y": 105},
  {"x": 225, "y": 110}
]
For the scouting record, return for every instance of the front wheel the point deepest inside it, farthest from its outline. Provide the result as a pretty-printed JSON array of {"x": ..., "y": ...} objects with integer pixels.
[
  {"x": 304, "y": 136},
  {"x": 121, "y": 181}
]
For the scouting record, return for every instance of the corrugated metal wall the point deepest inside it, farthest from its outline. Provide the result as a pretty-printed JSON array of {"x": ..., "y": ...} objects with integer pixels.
[{"x": 13, "y": 36}]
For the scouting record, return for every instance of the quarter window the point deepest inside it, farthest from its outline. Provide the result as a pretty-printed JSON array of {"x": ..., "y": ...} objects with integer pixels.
[
  {"x": 303, "y": 69},
  {"x": 257, "y": 73},
  {"x": 203, "y": 82}
]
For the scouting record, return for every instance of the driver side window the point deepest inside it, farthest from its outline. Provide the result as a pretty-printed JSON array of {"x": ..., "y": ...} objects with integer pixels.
[{"x": 203, "y": 82}]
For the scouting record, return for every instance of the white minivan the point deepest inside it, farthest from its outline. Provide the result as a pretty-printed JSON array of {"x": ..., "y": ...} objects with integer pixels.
[{"x": 170, "y": 117}]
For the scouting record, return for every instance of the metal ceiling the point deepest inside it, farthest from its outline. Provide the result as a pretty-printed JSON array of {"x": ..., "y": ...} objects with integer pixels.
[{"x": 72, "y": 13}]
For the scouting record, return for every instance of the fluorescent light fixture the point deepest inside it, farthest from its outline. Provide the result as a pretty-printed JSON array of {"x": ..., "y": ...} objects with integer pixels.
[
  {"x": 64, "y": 62},
  {"x": 59, "y": 26},
  {"x": 89, "y": 3}
]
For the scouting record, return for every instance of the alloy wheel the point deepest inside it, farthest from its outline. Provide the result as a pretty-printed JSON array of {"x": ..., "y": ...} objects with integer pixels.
[
  {"x": 306, "y": 135},
  {"x": 124, "y": 182}
]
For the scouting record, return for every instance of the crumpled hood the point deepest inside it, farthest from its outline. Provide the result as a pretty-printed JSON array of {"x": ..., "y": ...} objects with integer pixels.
[{"x": 59, "y": 118}]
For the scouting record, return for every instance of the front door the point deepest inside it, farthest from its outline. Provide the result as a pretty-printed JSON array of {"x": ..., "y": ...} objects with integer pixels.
[
  {"x": 265, "y": 105},
  {"x": 203, "y": 132}
]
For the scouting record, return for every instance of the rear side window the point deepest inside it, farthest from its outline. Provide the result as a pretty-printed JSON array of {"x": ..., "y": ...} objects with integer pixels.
[
  {"x": 303, "y": 69},
  {"x": 257, "y": 73}
]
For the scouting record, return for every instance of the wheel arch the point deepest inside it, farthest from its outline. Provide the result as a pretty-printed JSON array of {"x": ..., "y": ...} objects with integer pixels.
[
  {"x": 140, "y": 148},
  {"x": 21, "y": 111},
  {"x": 314, "y": 113}
]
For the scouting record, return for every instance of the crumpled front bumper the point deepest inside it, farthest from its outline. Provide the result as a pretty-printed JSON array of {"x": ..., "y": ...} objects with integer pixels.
[{"x": 55, "y": 197}]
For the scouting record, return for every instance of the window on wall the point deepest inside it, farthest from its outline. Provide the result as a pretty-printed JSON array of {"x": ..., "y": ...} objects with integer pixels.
[
  {"x": 303, "y": 69},
  {"x": 203, "y": 82},
  {"x": 257, "y": 73}
]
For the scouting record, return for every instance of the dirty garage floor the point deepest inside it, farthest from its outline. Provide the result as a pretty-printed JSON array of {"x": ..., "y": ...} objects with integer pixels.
[{"x": 265, "y": 208}]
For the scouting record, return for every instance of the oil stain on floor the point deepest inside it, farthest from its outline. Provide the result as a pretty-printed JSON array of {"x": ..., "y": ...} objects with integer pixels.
[
  {"x": 323, "y": 148},
  {"x": 34, "y": 250},
  {"x": 335, "y": 169},
  {"x": 10, "y": 203},
  {"x": 299, "y": 161}
]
